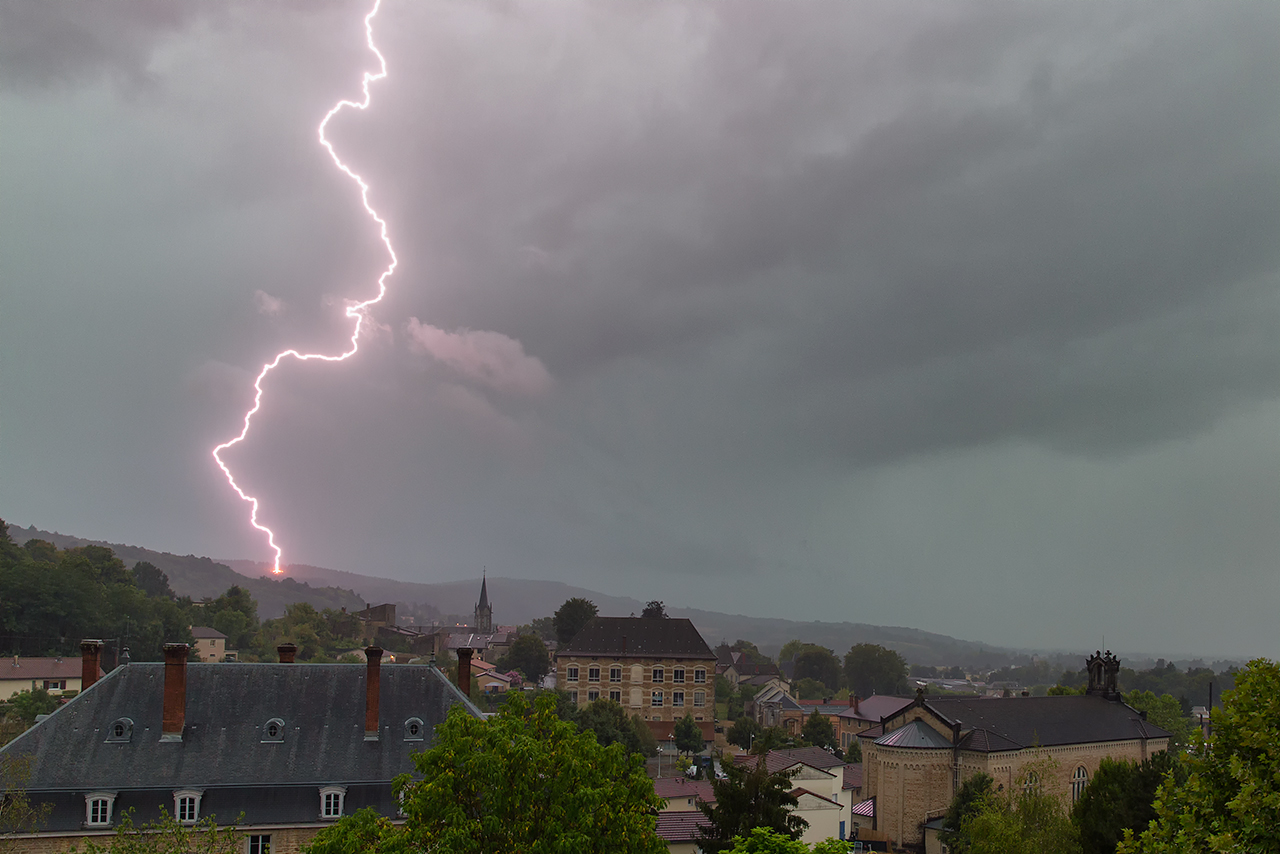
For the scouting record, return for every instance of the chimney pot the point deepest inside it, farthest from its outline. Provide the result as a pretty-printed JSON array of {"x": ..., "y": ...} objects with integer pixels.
[
  {"x": 90, "y": 652},
  {"x": 287, "y": 652},
  {"x": 372, "y": 685},
  {"x": 464, "y": 672},
  {"x": 175, "y": 691}
]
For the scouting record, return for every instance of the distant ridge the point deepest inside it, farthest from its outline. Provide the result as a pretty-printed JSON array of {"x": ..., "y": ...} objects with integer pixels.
[{"x": 516, "y": 601}]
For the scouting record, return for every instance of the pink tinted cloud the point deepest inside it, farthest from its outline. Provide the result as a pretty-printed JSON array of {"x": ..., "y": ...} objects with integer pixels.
[
  {"x": 267, "y": 304},
  {"x": 490, "y": 358}
]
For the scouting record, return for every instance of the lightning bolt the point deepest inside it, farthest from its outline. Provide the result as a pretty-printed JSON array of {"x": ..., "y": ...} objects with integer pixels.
[{"x": 357, "y": 312}]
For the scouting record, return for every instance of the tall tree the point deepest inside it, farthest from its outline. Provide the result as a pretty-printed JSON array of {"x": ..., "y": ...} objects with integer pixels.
[
  {"x": 524, "y": 780},
  {"x": 743, "y": 732},
  {"x": 966, "y": 803},
  {"x": 572, "y": 616},
  {"x": 1025, "y": 820},
  {"x": 818, "y": 731},
  {"x": 873, "y": 669},
  {"x": 1230, "y": 800},
  {"x": 688, "y": 735},
  {"x": 820, "y": 663},
  {"x": 152, "y": 581},
  {"x": 1121, "y": 796},
  {"x": 528, "y": 654},
  {"x": 1165, "y": 712},
  {"x": 654, "y": 610},
  {"x": 748, "y": 797},
  {"x": 609, "y": 723}
]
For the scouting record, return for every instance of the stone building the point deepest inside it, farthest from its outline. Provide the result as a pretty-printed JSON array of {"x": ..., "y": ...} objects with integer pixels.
[
  {"x": 288, "y": 748},
  {"x": 658, "y": 668},
  {"x": 916, "y": 759}
]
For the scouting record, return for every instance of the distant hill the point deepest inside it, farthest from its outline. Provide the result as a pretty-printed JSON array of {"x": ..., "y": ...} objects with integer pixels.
[
  {"x": 516, "y": 601},
  {"x": 200, "y": 577}
]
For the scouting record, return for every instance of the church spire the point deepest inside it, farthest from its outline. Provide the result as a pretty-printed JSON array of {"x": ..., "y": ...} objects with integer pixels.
[{"x": 484, "y": 611}]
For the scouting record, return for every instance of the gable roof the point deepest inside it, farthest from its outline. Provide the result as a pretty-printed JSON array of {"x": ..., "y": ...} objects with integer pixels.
[
  {"x": 227, "y": 707},
  {"x": 206, "y": 633},
  {"x": 775, "y": 761},
  {"x": 681, "y": 826},
  {"x": 852, "y": 776},
  {"x": 818, "y": 757},
  {"x": 876, "y": 707},
  {"x": 639, "y": 637},
  {"x": 1017, "y": 722},
  {"x": 674, "y": 788},
  {"x": 40, "y": 668}
]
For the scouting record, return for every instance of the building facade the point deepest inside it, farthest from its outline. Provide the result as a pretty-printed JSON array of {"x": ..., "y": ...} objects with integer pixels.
[
  {"x": 658, "y": 668},
  {"x": 286, "y": 748}
]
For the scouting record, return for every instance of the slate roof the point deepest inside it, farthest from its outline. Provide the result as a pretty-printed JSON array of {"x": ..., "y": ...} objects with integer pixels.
[
  {"x": 775, "y": 761},
  {"x": 852, "y": 776},
  {"x": 779, "y": 696},
  {"x": 639, "y": 637},
  {"x": 206, "y": 633},
  {"x": 1016, "y": 722},
  {"x": 823, "y": 708},
  {"x": 681, "y": 826},
  {"x": 915, "y": 734},
  {"x": 815, "y": 756},
  {"x": 876, "y": 707},
  {"x": 678, "y": 788},
  {"x": 228, "y": 705}
]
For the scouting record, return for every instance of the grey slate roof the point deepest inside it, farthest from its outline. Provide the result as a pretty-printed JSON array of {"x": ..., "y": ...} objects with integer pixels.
[
  {"x": 915, "y": 734},
  {"x": 228, "y": 705},
  {"x": 639, "y": 637},
  {"x": 1016, "y": 722}
]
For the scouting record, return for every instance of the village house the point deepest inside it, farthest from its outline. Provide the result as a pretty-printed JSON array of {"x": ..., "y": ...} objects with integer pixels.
[
  {"x": 56, "y": 675},
  {"x": 817, "y": 779},
  {"x": 860, "y": 715},
  {"x": 286, "y": 748},
  {"x": 914, "y": 762},
  {"x": 211, "y": 645},
  {"x": 658, "y": 668}
]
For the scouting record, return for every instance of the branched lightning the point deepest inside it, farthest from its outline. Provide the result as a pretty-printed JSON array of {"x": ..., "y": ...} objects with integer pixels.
[{"x": 356, "y": 311}]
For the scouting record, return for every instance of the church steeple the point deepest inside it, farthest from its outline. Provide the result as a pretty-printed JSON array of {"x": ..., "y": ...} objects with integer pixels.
[{"x": 483, "y": 621}]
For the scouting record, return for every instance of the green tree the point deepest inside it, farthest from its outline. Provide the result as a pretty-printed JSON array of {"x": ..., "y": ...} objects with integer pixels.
[
  {"x": 1026, "y": 820},
  {"x": 873, "y": 669},
  {"x": 1121, "y": 796},
  {"x": 363, "y": 832},
  {"x": 967, "y": 803},
  {"x": 748, "y": 797},
  {"x": 528, "y": 654},
  {"x": 762, "y": 840},
  {"x": 820, "y": 663},
  {"x": 809, "y": 689},
  {"x": 644, "y": 736},
  {"x": 17, "y": 813},
  {"x": 818, "y": 731},
  {"x": 524, "y": 780},
  {"x": 1165, "y": 712},
  {"x": 688, "y": 735},
  {"x": 1230, "y": 800},
  {"x": 609, "y": 723},
  {"x": 654, "y": 610},
  {"x": 742, "y": 732},
  {"x": 26, "y": 705},
  {"x": 167, "y": 836},
  {"x": 543, "y": 627},
  {"x": 572, "y": 616},
  {"x": 152, "y": 581}
]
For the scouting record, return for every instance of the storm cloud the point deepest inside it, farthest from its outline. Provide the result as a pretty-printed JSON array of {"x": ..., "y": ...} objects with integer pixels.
[{"x": 962, "y": 316}]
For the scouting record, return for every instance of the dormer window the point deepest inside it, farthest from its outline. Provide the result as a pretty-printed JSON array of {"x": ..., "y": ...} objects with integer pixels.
[
  {"x": 273, "y": 731},
  {"x": 414, "y": 729},
  {"x": 186, "y": 805},
  {"x": 331, "y": 801},
  {"x": 98, "y": 807},
  {"x": 120, "y": 731}
]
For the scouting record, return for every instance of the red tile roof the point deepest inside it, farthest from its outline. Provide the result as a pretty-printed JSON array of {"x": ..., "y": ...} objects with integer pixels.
[
  {"x": 41, "y": 668},
  {"x": 681, "y": 826},
  {"x": 675, "y": 788}
]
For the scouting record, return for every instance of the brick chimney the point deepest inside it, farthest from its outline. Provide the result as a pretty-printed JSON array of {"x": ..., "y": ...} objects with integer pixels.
[
  {"x": 854, "y": 702},
  {"x": 287, "y": 652},
  {"x": 175, "y": 691},
  {"x": 464, "y": 672},
  {"x": 372, "y": 682},
  {"x": 90, "y": 653}
]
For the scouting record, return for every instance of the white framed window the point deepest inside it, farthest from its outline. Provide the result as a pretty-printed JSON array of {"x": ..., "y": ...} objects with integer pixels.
[
  {"x": 593, "y": 695},
  {"x": 677, "y": 675},
  {"x": 258, "y": 843},
  {"x": 699, "y": 699},
  {"x": 677, "y": 698},
  {"x": 593, "y": 674},
  {"x": 658, "y": 674},
  {"x": 98, "y": 807},
  {"x": 699, "y": 675},
  {"x": 331, "y": 801},
  {"x": 656, "y": 699},
  {"x": 186, "y": 805},
  {"x": 616, "y": 696},
  {"x": 1079, "y": 781},
  {"x": 571, "y": 673},
  {"x": 615, "y": 674}
]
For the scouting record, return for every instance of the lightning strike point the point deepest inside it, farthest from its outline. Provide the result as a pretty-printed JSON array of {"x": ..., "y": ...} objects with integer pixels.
[{"x": 357, "y": 311}]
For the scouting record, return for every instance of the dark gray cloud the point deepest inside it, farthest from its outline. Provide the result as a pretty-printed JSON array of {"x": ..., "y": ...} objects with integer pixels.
[{"x": 923, "y": 314}]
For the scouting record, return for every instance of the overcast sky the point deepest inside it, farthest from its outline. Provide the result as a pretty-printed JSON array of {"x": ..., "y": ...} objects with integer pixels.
[{"x": 961, "y": 316}]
